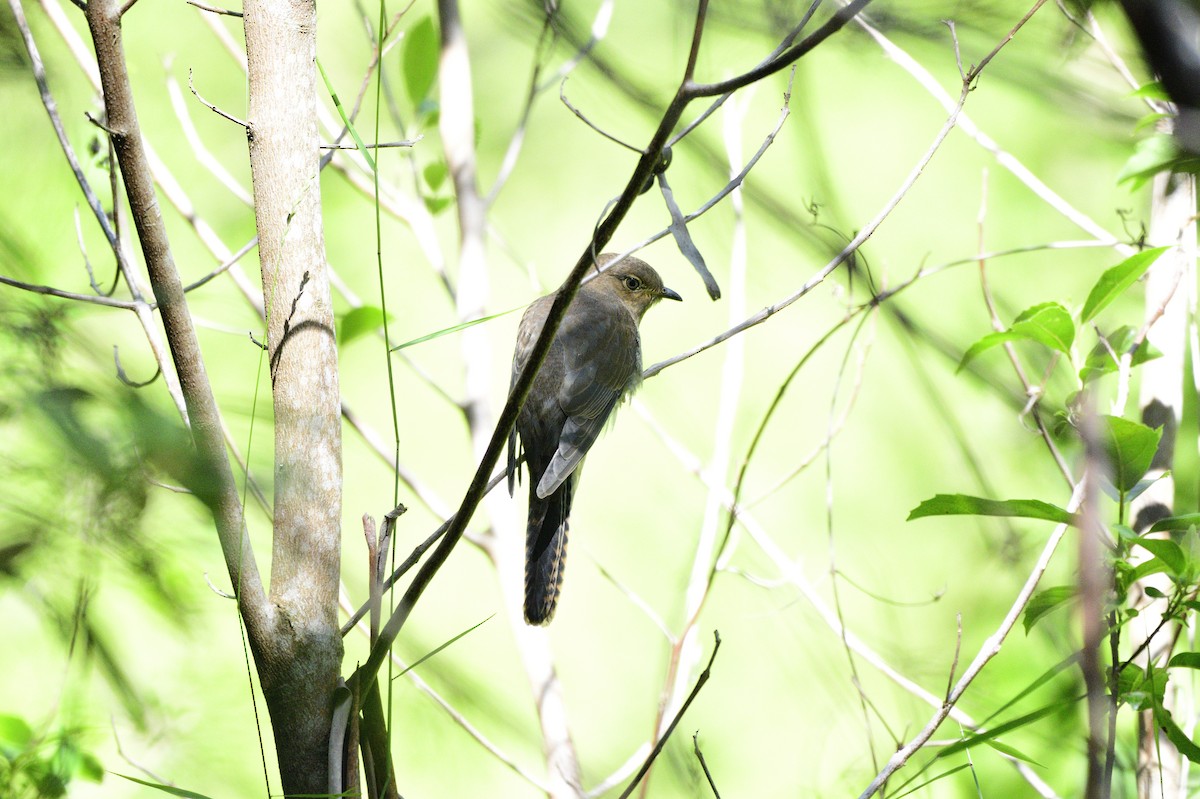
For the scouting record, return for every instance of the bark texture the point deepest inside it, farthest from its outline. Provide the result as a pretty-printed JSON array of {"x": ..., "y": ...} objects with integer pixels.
[{"x": 300, "y": 664}]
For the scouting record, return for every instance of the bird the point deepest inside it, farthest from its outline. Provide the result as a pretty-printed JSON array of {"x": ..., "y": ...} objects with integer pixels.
[{"x": 594, "y": 362}]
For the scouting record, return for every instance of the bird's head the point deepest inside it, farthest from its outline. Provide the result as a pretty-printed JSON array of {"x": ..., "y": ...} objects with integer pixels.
[{"x": 634, "y": 282}]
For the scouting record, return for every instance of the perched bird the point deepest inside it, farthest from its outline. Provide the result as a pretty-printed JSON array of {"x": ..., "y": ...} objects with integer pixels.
[{"x": 595, "y": 360}]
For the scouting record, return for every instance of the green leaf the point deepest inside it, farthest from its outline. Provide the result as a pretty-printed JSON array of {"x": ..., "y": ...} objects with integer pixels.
[
  {"x": 420, "y": 59},
  {"x": 964, "y": 505},
  {"x": 1187, "y": 660},
  {"x": 1012, "y": 752},
  {"x": 1176, "y": 523},
  {"x": 1100, "y": 360},
  {"x": 1048, "y": 323},
  {"x": 359, "y": 322},
  {"x": 1116, "y": 280},
  {"x": 1147, "y": 568},
  {"x": 435, "y": 174},
  {"x": 1167, "y": 551},
  {"x": 453, "y": 329},
  {"x": 988, "y": 735},
  {"x": 1125, "y": 533},
  {"x": 1141, "y": 689},
  {"x": 1042, "y": 679},
  {"x": 1130, "y": 447},
  {"x": 1186, "y": 746},
  {"x": 173, "y": 791},
  {"x": 436, "y": 205},
  {"x": 1150, "y": 120},
  {"x": 89, "y": 768},
  {"x": 1152, "y": 89},
  {"x": 15, "y": 732},
  {"x": 927, "y": 782},
  {"x": 1150, "y": 156},
  {"x": 1142, "y": 485},
  {"x": 1045, "y": 601},
  {"x": 337, "y": 103},
  {"x": 442, "y": 646},
  {"x": 986, "y": 343}
]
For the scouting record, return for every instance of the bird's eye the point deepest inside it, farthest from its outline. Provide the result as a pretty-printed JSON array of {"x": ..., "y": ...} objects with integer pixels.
[{"x": 632, "y": 283}]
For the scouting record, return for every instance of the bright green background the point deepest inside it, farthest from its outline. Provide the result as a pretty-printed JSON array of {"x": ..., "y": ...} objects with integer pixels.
[{"x": 781, "y": 715}]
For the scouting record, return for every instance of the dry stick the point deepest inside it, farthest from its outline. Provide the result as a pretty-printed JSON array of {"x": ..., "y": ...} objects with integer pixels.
[
  {"x": 196, "y": 144},
  {"x": 603, "y": 234},
  {"x": 105, "y": 26},
  {"x": 214, "y": 9},
  {"x": 700, "y": 681},
  {"x": 700, "y": 756},
  {"x": 224, "y": 267},
  {"x": 50, "y": 291}
]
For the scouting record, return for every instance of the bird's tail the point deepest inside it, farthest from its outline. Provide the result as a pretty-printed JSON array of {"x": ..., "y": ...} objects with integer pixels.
[{"x": 545, "y": 551}]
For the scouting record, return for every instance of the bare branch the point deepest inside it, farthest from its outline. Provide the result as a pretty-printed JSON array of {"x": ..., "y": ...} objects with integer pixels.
[
  {"x": 700, "y": 756},
  {"x": 214, "y": 9},
  {"x": 784, "y": 60},
  {"x": 700, "y": 681},
  {"x": 229, "y": 264},
  {"x": 192, "y": 87},
  {"x": 70, "y": 295},
  {"x": 124, "y": 378}
]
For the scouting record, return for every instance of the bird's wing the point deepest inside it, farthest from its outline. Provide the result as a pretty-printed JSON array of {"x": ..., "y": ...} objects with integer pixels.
[
  {"x": 527, "y": 333},
  {"x": 602, "y": 358}
]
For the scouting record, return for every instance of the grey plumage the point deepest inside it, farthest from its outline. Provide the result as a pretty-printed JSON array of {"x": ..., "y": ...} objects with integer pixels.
[{"x": 595, "y": 360}]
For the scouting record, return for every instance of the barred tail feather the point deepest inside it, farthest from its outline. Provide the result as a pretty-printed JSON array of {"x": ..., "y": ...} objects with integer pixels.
[{"x": 546, "y": 551}]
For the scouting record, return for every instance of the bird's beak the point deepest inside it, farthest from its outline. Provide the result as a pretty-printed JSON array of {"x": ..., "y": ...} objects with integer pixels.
[{"x": 670, "y": 294}]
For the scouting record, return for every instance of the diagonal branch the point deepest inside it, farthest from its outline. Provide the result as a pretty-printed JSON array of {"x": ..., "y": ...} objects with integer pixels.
[
  {"x": 646, "y": 167},
  {"x": 104, "y": 22}
]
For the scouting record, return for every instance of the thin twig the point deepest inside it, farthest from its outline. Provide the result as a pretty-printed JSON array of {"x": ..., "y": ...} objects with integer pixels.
[
  {"x": 662, "y": 741},
  {"x": 214, "y": 9},
  {"x": 196, "y": 143},
  {"x": 70, "y": 295},
  {"x": 700, "y": 756},
  {"x": 211, "y": 107},
  {"x": 378, "y": 146}
]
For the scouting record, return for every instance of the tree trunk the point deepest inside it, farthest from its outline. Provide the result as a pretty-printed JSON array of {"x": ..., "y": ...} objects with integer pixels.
[{"x": 300, "y": 664}]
